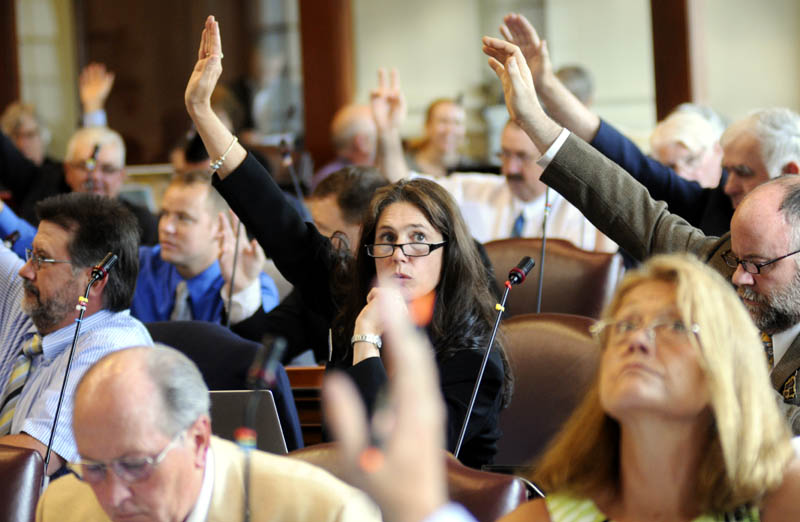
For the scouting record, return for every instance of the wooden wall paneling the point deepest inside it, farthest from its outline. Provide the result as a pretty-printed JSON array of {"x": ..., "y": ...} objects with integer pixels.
[
  {"x": 671, "y": 54},
  {"x": 152, "y": 46},
  {"x": 9, "y": 64},
  {"x": 326, "y": 35}
]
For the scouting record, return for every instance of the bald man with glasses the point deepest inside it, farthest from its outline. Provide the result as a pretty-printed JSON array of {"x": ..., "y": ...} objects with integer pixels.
[{"x": 143, "y": 431}]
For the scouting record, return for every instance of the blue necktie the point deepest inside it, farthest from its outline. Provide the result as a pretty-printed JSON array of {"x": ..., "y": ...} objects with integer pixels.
[{"x": 519, "y": 225}]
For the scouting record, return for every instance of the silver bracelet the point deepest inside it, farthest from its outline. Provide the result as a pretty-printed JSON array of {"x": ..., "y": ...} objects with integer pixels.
[
  {"x": 367, "y": 338},
  {"x": 217, "y": 164}
]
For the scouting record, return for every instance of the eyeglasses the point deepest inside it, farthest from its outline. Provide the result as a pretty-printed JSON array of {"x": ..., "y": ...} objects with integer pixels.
[
  {"x": 37, "y": 260},
  {"x": 128, "y": 469},
  {"x": 749, "y": 266},
  {"x": 507, "y": 155},
  {"x": 90, "y": 165},
  {"x": 663, "y": 330},
  {"x": 410, "y": 249}
]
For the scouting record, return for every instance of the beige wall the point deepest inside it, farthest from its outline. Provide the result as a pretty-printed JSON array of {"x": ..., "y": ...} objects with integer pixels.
[
  {"x": 45, "y": 30},
  {"x": 613, "y": 40},
  {"x": 435, "y": 47},
  {"x": 752, "y": 53}
]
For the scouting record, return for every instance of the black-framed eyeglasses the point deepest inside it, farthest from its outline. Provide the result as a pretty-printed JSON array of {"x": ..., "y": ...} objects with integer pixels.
[
  {"x": 128, "y": 469},
  {"x": 410, "y": 249},
  {"x": 749, "y": 266},
  {"x": 38, "y": 260}
]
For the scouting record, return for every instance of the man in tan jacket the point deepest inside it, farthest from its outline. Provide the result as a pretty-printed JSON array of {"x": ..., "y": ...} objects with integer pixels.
[{"x": 143, "y": 432}]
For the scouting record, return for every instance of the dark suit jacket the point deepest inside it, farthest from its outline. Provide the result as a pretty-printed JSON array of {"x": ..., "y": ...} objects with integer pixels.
[
  {"x": 302, "y": 255},
  {"x": 621, "y": 208},
  {"x": 707, "y": 209}
]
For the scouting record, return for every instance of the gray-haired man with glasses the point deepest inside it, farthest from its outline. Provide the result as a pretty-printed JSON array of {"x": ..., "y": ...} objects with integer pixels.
[{"x": 143, "y": 431}]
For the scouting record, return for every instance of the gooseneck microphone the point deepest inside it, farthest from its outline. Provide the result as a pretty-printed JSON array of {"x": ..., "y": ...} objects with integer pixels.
[
  {"x": 10, "y": 240},
  {"x": 516, "y": 276},
  {"x": 260, "y": 376},
  {"x": 99, "y": 272}
]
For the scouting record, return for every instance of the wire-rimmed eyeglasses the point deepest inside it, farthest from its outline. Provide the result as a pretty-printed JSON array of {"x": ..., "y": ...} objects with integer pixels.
[
  {"x": 128, "y": 469},
  {"x": 37, "y": 260},
  {"x": 749, "y": 266}
]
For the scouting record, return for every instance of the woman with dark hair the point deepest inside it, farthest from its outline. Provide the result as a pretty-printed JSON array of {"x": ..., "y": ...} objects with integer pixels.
[{"x": 414, "y": 248}]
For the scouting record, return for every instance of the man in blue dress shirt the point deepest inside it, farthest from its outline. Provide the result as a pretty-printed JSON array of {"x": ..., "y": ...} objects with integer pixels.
[{"x": 187, "y": 275}]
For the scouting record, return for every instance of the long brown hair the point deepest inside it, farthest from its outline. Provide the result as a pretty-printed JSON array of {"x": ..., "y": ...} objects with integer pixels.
[{"x": 463, "y": 311}]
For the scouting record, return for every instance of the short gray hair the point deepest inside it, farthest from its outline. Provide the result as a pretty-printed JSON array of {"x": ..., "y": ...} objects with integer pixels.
[
  {"x": 96, "y": 136},
  {"x": 778, "y": 133},
  {"x": 183, "y": 392}
]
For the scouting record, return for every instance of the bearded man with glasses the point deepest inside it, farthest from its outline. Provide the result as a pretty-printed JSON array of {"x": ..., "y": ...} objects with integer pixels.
[
  {"x": 758, "y": 254},
  {"x": 146, "y": 453}
]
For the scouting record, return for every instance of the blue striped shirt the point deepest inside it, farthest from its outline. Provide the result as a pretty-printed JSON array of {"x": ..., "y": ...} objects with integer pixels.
[{"x": 101, "y": 334}]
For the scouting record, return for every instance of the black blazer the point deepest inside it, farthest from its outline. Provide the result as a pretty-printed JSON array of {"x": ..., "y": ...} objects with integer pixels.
[{"x": 301, "y": 254}]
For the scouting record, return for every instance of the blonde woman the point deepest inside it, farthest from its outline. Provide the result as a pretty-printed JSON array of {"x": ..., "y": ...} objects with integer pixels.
[{"x": 681, "y": 422}]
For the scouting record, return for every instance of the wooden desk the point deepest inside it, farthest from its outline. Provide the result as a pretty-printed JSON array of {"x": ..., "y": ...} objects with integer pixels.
[{"x": 306, "y": 384}]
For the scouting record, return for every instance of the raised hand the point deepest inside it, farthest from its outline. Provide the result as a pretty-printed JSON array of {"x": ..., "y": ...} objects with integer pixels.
[
  {"x": 249, "y": 261},
  {"x": 95, "y": 83},
  {"x": 387, "y": 102},
  {"x": 518, "y": 30},
  {"x": 207, "y": 70},
  {"x": 398, "y": 460},
  {"x": 509, "y": 64}
]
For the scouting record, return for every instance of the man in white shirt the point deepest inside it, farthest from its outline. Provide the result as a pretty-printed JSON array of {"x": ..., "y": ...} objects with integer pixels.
[
  {"x": 513, "y": 205},
  {"x": 494, "y": 207}
]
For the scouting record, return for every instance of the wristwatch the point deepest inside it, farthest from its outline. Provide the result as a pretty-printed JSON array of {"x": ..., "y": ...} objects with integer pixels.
[{"x": 367, "y": 338}]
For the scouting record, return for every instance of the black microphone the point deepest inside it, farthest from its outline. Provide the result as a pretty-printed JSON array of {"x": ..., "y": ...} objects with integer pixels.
[
  {"x": 91, "y": 164},
  {"x": 10, "y": 240},
  {"x": 518, "y": 274},
  {"x": 262, "y": 371},
  {"x": 260, "y": 376},
  {"x": 99, "y": 271}
]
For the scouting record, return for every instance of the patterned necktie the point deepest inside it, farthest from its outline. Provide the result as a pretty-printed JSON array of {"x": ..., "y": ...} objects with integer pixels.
[
  {"x": 767, "y": 340},
  {"x": 519, "y": 225},
  {"x": 182, "y": 310},
  {"x": 19, "y": 373}
]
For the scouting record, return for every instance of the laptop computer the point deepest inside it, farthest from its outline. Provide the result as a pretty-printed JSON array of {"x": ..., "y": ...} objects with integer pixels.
[{"x": 228, "y": 411}]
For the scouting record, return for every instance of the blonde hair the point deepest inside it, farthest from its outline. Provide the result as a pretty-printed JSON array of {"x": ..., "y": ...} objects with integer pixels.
[{"x": 748, "y": 445}]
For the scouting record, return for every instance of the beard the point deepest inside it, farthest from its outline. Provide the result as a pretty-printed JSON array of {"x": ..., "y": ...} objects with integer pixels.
[
  {"x": 776, "y": 312},
  {"x": 47, "y": 314}
]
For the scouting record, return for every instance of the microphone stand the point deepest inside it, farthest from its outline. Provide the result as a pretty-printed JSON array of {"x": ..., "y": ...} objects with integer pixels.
[
  {"x": 98, "y": 272},
  {"x": 516, "y": 276},
  {"x": 542, "y": 253},
  {"x": 261, "y": 376}
]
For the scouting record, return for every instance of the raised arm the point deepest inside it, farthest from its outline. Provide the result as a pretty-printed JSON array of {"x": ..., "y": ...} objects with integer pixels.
[
  {"x": 522, "y": 101},
  {"x": 561, "y": 104},
  {"x": 94, "y": 84},
  {"x": 685, "y": 198},
  {"x": 216, "y": 137},
  {"x": 389, "y": 111}
]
